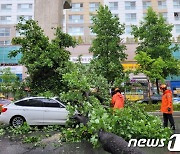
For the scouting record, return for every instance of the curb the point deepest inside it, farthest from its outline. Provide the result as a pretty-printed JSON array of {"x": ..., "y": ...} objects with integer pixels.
[{"x": 175, "y": 113}]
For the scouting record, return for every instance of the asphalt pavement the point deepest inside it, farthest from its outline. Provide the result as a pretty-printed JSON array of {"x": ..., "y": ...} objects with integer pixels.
[
  {"x": 51, "y": 145},
  {"x": 48, "y": 145}
]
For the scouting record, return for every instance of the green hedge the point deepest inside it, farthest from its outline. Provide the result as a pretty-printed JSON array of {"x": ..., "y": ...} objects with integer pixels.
[{"x": 156, "y": 107}]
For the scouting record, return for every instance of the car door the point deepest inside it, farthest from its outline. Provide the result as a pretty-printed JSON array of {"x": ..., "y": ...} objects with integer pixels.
[
  {"x": 32, "y": 110},
  {"x": 54, "y": 113}
]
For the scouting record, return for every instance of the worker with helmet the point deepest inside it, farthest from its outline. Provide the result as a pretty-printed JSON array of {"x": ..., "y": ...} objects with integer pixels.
[
  {"x": 167, "y": 106},
  {"x": 117, "y": 99}
]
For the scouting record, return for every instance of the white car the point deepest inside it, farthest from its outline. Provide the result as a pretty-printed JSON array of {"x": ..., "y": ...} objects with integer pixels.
[
  {"x": 34, "y": 111},
  {"x": 176, "y": 100}
]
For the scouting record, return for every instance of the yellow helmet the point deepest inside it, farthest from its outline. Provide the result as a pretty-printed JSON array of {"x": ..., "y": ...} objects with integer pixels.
[{"x": 116, "y": 89}]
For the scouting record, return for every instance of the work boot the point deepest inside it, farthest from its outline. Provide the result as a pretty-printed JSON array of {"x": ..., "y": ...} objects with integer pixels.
[{"x": 173, "y": 128}]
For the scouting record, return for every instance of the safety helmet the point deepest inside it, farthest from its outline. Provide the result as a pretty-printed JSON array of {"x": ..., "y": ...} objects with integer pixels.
[
  {"x": 163, "y": 87},
  {"x": 117, "y": 89}
]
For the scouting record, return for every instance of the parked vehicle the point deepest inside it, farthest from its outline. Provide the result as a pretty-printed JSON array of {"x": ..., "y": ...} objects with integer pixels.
[
  {"x": 176, "y": 100},
  {"x": 157, "y": 98},
  {"x": 154, "y": 99},
  {"x": 34, "y": 111},
  {"x": 4, "y": 101}
]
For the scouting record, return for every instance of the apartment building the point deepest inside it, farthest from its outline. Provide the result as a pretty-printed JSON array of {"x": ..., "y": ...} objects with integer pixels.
[
  {"x": 131, "y": 12},
  {"x": 10, "y": 12},
  {"x": 49, "y": 14},
  {"x": 77, "y": 20}
]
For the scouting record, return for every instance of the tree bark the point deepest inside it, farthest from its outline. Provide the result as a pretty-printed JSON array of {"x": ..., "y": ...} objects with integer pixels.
[{"x": 157, "y": 86}]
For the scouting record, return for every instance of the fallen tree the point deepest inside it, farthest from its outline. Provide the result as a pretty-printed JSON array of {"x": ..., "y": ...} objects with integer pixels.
[
  {"x": 116, "y": 144},
  {"x": 110, "y": 142},
  {"x": 130, "y": 122}
]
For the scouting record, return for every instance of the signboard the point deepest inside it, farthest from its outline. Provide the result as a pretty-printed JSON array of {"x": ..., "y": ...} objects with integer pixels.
[
  {"x": 130, "y": 66},
  {"x": 84, "y": 59},
  {"x": 14, "y": 69}
]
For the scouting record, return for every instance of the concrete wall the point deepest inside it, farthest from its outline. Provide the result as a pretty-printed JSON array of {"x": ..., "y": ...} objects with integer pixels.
[{"x": 49, "y": 14}]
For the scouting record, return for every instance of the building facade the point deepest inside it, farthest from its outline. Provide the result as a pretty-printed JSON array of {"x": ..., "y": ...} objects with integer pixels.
[
  {"x": 10, "y": 13},
  {"x": 49, "y": 14},
  {"x": 77, "y": 20},
  {"x": 131, "y": 12}
]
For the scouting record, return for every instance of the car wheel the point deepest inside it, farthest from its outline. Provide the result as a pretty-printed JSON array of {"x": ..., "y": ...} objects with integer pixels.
[{"x": 17, "y": 121}]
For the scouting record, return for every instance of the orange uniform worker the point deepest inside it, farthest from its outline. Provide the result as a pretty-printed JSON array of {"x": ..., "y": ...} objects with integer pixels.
[
  {"x": 167, "y": 106},
  {"x": 117, "y": 99}
]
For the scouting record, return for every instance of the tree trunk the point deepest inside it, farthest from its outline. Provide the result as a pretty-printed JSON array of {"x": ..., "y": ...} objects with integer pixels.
[
  {"x": 149, "y": 92},
  {"x": 157, "y": 86},
  {"x": 110, "y": 142}
]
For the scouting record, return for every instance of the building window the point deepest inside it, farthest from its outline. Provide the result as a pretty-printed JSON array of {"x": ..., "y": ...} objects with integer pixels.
[
  {"x": 164, "y": 14},
  {"x": 130, "y": 17},
  {"x": 5, "y": 19},
  {"x": 176, "y": 4},
  {"x": 4, "y": 32},
  {"x": 91, "y": 33},
  {"x": 90, "y": 18},
  {"x": 146, "y": 4},
  {"x": 77, "y": 7},
  {"x": 116, "y": 15},
  {"x": 177, "y": 28},
  {"x": 7, "y": 42},
  {"x": 93, "y": 6},
  {"x": 113, "y": 6},
  {"x": 26, "y": 17},
  {"x": 25, "y": 7},
  {"x": 130, "y": 5},
  {"x": 76, "y": 19},
  {"x": 76, "y": 31},
  {"x": 6, "y": 7},
  {"x": 144, "y": 15},
  {"x": 17, "y": 34},
  {"x": 177, "y": 16},
  {"x": 64, "y": 21},
  {"x": 162, "y": 4},
  {"x": 20, "y": 33},
  {"x": 128, "y": 29}
]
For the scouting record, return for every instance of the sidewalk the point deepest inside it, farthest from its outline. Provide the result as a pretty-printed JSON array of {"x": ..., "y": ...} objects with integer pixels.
[
  {"x": 158, "y": 113},
  {"x": 176, "y": 115}
]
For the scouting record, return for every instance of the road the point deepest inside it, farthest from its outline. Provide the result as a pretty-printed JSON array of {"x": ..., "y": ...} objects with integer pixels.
[{"x": 52, "y": 146}]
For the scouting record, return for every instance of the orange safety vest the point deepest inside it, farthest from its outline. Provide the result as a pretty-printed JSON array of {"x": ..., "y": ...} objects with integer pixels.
[
  {"x": 167, "y": 102},
  {"x": 118, "y": 101}
]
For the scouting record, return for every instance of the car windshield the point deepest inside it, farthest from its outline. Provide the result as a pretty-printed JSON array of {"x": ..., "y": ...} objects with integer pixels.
[{"x": 58, "y": 99}]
